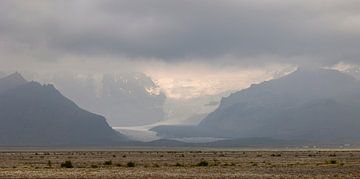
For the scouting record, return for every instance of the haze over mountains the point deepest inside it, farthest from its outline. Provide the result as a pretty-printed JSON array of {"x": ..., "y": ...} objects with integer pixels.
[
  {"x": 125, "y": 99},
  {"x": 129, "y": 98},
  {"x": 39, "y": 115},
  {"x": 311, "y": 104}
]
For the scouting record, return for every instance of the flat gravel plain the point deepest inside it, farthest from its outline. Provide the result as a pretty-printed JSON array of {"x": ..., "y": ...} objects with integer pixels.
[{"x": 180, "y": 164}]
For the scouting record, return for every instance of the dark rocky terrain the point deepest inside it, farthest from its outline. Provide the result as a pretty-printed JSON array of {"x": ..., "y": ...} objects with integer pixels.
[{"x": 39, "y": 115}]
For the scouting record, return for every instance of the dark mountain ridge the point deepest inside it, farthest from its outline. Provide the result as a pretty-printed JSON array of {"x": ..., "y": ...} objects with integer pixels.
[{"x": 39, "y": 115}]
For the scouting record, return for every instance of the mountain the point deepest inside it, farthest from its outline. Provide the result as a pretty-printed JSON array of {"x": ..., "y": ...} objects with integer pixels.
[
  {"x": 11, "y": 81},
  {"x": 352, "y": 70},
  {"x": 125, "y": 99},
  {"x": 39, "y": 115},
  {"x": 308, "y": 104},
  {"x": 190, "y": 111}
]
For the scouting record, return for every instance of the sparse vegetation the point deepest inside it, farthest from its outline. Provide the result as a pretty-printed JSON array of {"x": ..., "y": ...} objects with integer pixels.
[
  {"x": 173, "y": 165},
  {"x": 130, "y": 164},
  {"x": 179, "y": 164},
  {"x": 331, "y": 162},
  {"x": 108, "y": 162},
  {"x": 67, "y": 164},
  {"x": 94, "y": 166},
  {"x": 203, "y": 164}
]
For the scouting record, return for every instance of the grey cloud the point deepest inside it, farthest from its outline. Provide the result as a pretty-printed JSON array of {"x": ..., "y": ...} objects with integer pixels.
[{"x": 299, "y": 32}]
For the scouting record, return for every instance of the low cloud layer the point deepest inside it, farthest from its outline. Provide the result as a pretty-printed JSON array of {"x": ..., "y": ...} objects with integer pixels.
[
  {"x": 190, "y": 48},
  {"x": 245, "y": 32}
]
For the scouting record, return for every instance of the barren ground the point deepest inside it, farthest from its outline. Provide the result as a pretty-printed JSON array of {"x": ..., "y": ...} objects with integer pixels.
[{"x": 181, "y": 164}]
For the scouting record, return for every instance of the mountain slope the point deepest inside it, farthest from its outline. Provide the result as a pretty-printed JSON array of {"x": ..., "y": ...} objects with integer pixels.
[
  {"x": 125, "y": 99},
  {"x": 308, "y": 104},
  {"x": 39, "y": 115}
]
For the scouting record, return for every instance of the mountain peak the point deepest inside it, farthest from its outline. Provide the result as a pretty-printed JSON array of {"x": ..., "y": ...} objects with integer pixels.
[
  {"x": 320, "y": 74},
  {"x": 11, "y": 81},
  {"x": 49, "y": 118},
  {"x": 15, "y": 77}
]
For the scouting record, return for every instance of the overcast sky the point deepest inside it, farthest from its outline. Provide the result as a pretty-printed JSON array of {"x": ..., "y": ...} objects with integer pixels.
[{"x": 200, "y": 44}]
